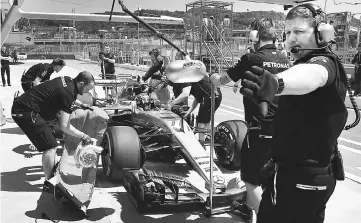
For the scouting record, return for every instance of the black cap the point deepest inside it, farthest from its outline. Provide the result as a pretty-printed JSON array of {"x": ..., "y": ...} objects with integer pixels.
[{"x": 58, "y": 61}]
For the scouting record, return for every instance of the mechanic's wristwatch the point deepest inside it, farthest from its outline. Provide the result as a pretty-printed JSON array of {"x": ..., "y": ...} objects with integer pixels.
[{"x": 281, "y": 85}]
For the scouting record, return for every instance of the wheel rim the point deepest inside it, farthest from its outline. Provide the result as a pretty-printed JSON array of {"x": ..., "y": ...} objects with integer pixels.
[
  {"x": 224, "y": 153},
  {"x": 106, "y": 158}
]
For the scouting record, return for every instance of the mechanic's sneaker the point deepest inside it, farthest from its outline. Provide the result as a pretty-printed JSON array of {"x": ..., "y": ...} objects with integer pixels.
[
  {"x": 244, "y": 212},
  {"x": 32, "y": 147},
  {"x": 48, "y": 187}
]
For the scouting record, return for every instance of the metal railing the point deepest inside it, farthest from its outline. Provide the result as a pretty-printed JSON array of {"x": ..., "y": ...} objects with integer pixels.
[{"x": 219, "y": 59}]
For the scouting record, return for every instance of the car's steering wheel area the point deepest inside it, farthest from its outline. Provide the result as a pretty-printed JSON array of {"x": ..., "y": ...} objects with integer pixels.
[
  {"x": 146, "y": 103},
  {"x": 131, "y": 91}
]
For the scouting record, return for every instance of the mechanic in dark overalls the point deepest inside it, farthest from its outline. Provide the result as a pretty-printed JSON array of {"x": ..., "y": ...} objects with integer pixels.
[
  {"x": 39, "y": 73},
  {"x": 254, "y": 156},
  {"x": 32, "y": 109},
  {"x": 310, "y": 117}
]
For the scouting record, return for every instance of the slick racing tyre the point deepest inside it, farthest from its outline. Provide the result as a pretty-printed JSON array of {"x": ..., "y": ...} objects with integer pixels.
[
  {"x": 122, "y": 150},
  {"x": 230, "y": 135}
]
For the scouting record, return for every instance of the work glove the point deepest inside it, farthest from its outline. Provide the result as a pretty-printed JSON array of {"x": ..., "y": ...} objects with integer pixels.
[
  {"x": 261, "y": 86},
  {"x": 86, "y": 140}
]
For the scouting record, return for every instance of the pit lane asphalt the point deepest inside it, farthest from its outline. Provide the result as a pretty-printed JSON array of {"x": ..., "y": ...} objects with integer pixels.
[{"x": 22, "y": 178}]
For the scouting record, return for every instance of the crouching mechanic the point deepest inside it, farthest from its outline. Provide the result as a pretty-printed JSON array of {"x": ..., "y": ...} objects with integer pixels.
[
  {"x": 40, "y": 72},
  {"x": 254, "y": 156},
  {"x": 32, "y": 109},
  {"x": 310, "y": 117},
  {"x": 202, "y": 94}
]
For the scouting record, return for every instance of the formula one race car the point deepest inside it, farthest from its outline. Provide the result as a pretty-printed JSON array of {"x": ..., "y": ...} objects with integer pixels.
[
  {"x": 140, "y": 143},
  {"x": 139, "y": 129}
]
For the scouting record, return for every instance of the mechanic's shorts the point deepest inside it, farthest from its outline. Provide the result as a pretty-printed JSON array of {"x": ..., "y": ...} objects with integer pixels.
[
  {"x": 35, "y": 128},
  {"x": 204, "y": 112},
  {"x": 254, "y": 155},
  {"x": 299, "y": 198}
]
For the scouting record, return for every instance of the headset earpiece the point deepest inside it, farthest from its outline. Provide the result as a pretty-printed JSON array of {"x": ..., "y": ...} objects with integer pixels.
[
  {"x": 253, "y": 36},
  {"x": 326, "y": 33}
]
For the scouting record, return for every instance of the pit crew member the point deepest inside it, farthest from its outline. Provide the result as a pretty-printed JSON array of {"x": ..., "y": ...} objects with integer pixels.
[
  {"x": 254, "y": 156},
  {"x": 39, "y": 73},
  {"x": 5, "y": 66},
  {"x": 202, "y": 94},
  {"x": 310, "y": 117},
  {"x": 106, "y": 63},
  {"x": 32, "y": 109},
  {"x": 158, "y": 81},
  {"x": 157, "y": 69},
  {"x": 357, "y": 61},
  {"x": 181, "y": 92}
]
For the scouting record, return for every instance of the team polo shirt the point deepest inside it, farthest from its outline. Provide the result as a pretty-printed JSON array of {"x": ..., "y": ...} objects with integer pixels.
[
  {"x": 202, "y": 89},
  {"x": 267, "y": 57},
  {"x": 108, "y": 67},
  {"x": 50, "y": 97},
  {"x": 42, "y": 70},
  {"x": 307, "y": 126}
]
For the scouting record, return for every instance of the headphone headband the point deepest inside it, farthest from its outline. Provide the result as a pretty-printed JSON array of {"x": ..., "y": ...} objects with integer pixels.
[{"x": 316, "y": 11}]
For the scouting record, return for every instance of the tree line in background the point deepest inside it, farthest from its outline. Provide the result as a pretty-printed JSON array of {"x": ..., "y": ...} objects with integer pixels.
[{"x": 242, "y": 20}]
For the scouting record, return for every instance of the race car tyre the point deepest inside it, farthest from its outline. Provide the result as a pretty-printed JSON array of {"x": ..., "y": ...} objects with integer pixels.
[
  {"x": 122, "y": 150},
  {"x": 230, "y": 135}
]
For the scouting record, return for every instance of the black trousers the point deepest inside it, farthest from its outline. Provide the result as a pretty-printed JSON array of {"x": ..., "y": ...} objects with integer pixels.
[
  {"x": 357, "y": 86},
  {"x": 298, "y": 198},
  {"x": 5, "y": 68}
]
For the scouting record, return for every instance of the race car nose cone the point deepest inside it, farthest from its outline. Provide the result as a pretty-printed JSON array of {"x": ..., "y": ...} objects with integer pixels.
[{"x": 185, "y": 71}]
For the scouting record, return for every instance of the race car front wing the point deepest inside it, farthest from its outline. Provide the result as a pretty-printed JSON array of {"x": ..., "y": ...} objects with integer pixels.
[{"x": 153, "y": 192}]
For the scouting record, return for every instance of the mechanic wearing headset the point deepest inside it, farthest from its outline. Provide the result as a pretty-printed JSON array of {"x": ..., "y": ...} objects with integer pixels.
[
  {"x": 310, "y": 117},
  {"x": 39, "y": 73},
  {"x": 202, "y": 94},
  {"x": 31, "y": 110},
  {"x": 254, "y": 156}
]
